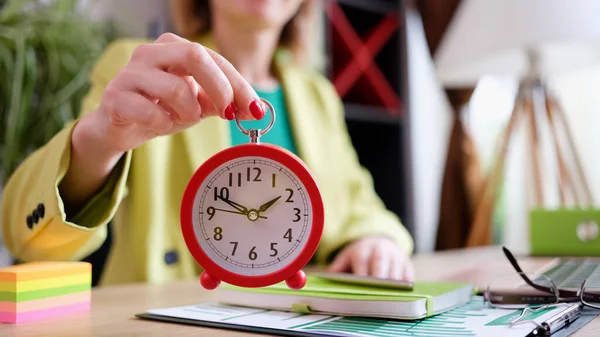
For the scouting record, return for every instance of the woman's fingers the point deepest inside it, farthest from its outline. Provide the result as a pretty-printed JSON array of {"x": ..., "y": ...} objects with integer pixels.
[
  {"x": 124, "y": 107},
  {"x": 379, "y": 265},
  {"x": 168, "y": 88},
  {"x": 246, "y": 99},
  {"x": 189, "y": 59},
  {"x": 409, "y": 270},
  {"x": 217, "y": 76},
  {"x": 341, "y": 263}
]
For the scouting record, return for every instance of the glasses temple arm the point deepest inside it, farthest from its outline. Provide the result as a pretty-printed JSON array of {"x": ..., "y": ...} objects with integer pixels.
[{"x": 515, "y": 265}]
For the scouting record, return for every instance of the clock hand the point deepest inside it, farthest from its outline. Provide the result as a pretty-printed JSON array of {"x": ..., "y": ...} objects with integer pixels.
[
  {"x": 267, "y": 204},
  {"x": 234, "y": 212},
  {"x": 235, "y": 205}
]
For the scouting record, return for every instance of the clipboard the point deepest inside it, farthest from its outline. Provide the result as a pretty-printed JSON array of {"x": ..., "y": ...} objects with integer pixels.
[
  {"x": 228, "y": 326},
  {"x": 473, "y": 319}
]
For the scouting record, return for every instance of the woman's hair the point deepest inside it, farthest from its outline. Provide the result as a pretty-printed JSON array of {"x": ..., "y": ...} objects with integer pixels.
[{"x": 193, "y": 17}]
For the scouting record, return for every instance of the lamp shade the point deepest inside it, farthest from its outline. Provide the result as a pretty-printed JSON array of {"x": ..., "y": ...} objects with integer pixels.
[{"x": 493, "y": 37}]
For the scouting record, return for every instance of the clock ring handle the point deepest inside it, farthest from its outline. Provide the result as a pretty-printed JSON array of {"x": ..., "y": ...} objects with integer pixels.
[{"x": 256, "y": 133}]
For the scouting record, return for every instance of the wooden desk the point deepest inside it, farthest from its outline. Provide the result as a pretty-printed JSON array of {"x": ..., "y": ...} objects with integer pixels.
[{"x": 113, "y": 308}]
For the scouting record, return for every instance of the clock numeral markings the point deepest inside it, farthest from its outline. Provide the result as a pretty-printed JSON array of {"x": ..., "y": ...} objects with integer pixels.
[
  {"x": 218, "y": 236},
  {"x": 256, "y": 177},
  {"x": 288, "y": 235},
  {"x": 239, "y": 179},
  {"x": 210, "y": 211},
  {"x": 289, "y": 199},
  {"x": 252, "y": 254},
  {"x": 224, "y": 193},
  {"x": 235, "y": 244},
  {"x": 273, "y": 249},
  {"x": 273, "y": 180},
  {"x": 297, "y": 214}
]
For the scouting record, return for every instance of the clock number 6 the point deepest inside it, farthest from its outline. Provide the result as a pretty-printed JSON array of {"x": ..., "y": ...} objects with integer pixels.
[{"x": 252, "y": 255}]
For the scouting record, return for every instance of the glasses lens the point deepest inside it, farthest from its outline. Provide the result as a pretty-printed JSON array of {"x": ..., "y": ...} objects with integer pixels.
[
  {"x": 590, "y": 292},
  {"x": 512, "y": 292}
]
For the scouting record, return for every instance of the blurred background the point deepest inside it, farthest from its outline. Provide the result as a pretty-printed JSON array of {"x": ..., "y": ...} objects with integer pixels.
[{"x": 429, "y": 88}]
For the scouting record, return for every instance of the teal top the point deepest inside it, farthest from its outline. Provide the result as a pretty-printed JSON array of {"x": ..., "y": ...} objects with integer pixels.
[{"x": 281, "y": 132}]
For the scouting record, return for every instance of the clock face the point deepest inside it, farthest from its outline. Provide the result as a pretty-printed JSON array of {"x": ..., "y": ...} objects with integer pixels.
[{"x": 252, "y": 216}]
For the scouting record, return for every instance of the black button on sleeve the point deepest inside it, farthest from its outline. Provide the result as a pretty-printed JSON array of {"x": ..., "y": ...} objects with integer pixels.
[
  {"x": 30, "y": 222},
  {"x": 41, "y": 210},
  {"x": 36, "y": 216},
  {"x": 171, "y": 257}
]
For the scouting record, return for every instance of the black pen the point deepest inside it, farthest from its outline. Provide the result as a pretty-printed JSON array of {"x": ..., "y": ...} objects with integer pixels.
[{"x": 557, "y": 321}]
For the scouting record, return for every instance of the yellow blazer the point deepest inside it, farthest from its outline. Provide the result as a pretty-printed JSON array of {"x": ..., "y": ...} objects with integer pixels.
[{"x": 142, "y": 198}]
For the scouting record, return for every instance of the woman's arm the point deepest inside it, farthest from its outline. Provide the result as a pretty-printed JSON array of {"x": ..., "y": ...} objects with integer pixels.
[{"x": 57, "y": 203}]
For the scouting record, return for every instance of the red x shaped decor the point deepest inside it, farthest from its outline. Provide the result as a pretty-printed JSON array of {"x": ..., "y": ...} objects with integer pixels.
[{"x": 363, "y": 54}]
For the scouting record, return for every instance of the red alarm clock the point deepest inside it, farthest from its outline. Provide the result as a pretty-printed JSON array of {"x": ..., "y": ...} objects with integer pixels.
[{"x": 252, "y": 215}]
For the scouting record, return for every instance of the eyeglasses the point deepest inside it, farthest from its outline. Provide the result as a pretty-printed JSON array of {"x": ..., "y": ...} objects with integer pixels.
[{"x": 538, "y": 293}]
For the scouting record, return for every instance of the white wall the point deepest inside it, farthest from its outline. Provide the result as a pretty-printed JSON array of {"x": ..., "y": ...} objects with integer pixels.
[{"x": 430, "y": 124}]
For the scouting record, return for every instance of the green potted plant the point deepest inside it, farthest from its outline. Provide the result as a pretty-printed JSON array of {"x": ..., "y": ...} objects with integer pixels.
[{"x": 47, "y": 49}]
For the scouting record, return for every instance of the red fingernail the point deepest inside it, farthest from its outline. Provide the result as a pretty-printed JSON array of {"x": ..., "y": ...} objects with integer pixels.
[
  {"x": 256, "y": 110},
  {"x": 230, "y": 112}
]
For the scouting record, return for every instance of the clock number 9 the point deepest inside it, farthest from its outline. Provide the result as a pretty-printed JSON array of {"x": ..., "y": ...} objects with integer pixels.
[{"x": 210, "y": 211}]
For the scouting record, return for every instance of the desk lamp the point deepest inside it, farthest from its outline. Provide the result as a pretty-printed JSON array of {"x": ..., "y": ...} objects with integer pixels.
[{"x": 528, "y": 40}]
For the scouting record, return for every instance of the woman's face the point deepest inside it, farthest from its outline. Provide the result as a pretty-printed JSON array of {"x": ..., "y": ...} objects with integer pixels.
[{"x": 255, "y": 13}]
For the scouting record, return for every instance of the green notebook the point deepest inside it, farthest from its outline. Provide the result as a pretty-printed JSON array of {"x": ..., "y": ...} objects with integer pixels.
[{"x": 334, "y": 298}]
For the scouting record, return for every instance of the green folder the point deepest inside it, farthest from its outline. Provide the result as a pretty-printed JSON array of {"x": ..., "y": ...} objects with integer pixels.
[
  {"x": 323, "y": 296},
  {"x": 564, "y": 232}
]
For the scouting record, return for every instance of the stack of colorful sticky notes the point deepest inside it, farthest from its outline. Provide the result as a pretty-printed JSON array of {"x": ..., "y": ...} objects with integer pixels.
[{"x": 38, "y": 290}]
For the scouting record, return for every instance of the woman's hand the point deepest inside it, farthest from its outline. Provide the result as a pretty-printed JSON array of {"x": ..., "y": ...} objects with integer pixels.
[
  {"x": 167, "y": 86},
  {"x": 374, "y": 256}
]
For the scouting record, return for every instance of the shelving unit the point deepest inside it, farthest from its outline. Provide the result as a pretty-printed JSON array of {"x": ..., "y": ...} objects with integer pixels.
[{"x": 366, "y": 52}]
